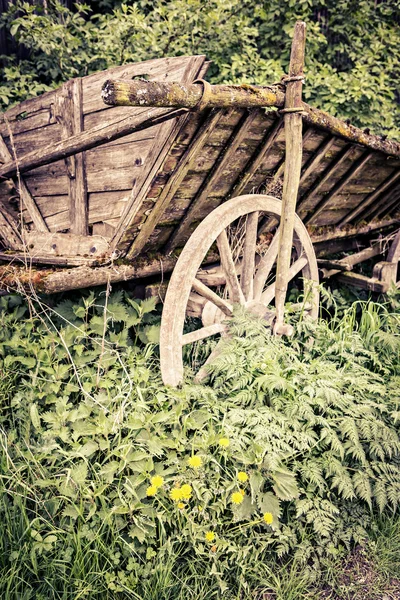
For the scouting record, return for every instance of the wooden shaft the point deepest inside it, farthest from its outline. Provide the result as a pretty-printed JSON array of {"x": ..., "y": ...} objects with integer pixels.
[
  {"x": 87, "y": 139},
  {"x": 294, "y": 148},
  {"x": 122, "y": 92}
]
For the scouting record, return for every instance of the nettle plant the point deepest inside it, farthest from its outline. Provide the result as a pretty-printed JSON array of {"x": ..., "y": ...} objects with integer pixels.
[{"x": 289, "y": 448}]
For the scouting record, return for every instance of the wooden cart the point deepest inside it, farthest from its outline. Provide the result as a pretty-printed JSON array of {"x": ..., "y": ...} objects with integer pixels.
[{"x": 236, "y": 189}]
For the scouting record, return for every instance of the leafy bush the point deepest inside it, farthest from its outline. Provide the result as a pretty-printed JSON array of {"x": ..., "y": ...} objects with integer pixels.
[
  {"x": 114, "y": 486},
  {"x": 352, "y": 61}
]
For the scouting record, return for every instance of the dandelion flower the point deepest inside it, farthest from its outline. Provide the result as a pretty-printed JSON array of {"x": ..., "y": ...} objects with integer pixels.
[
  {"x": 268, "y": 518},
  {"x": 195, "y": 462},
  {"x": 176, "y": 494},
  {"x": 237, "y": 498},
  {"x": 180, "y": 505},
  {"x": 224, "y": 442},
  {"x": 210, "y": 536},
  {"x": 157, "y": 481},
  {"x": 151, "y": 490},
  {"x": 242, "y": 476},
  {"x": 186, "y": 491}
]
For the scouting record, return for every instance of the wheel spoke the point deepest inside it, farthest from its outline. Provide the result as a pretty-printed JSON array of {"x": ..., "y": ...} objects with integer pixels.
[
  {"x": 204, "y": 332},
  {"x": 265, "y": 266},
  {"x": 202, "y": 373},
  {"x": 296, "y": 267},
  {"x": 205, "y": 291},
  {"x": 249, "y": 256},
  {"x": 228, "y": 265}
]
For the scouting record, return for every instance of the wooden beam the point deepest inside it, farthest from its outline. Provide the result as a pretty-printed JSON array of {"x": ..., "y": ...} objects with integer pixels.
[
  {"x": 146, "y": 93},
  {"x": 331, "y": 168},
  {"x": 293, "y": 160},
  {"x": 122, "y": 92},
  {"x": 361, "y": 281},
  {"x": 391, "y": 204},
  {"x": 25, "y": 196},
  {"x": 368, "y": 201},
  {"x": 316, "y": 158},
  {"x": 258, "y": 157},
  {"x": 356, "y": 258},
  {"x": 175, "y": 180},
  {"x": 238, "y": 135},
  {"x": 339, "y": 186},
  {"x": 332, "y": 233},
  {"x": 69, "y": 114},
  {"x": 89, "y": 139}
]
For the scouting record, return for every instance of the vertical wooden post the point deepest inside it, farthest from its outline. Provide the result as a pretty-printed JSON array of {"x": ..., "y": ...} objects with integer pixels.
[{"x": 294, "y": 146}]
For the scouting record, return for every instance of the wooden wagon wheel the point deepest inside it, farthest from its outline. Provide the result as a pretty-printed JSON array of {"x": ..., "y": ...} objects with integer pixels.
[{"x": 249, "y": 289}]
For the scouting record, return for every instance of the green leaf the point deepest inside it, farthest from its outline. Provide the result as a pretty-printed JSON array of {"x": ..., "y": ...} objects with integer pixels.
[{"x": 285, "y": 485}]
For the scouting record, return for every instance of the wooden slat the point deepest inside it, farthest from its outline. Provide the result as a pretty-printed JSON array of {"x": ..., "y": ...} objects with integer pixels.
[
  {"x": 24, "y": 194},
  {"x": 370, "y": 199},
  {"x": 331, "y": 168},
  {"x": 392, "y": 203},
  {"x": 317, "y": 157},
  {"x": 257, "y": 159},
  {"x": 385, "y": 200},
  {"x": 9, "y": 233},
  {"x": 340, "y": 185},
  {"x": 163, "y": 141},
  {"x": 174, "y": 182},
  {"x": 206, "y": 189},
  {"x": 68, "y": 108}
]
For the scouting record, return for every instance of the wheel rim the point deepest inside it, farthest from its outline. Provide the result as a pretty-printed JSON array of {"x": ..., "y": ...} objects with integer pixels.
[{"x": 249, "y": 289}]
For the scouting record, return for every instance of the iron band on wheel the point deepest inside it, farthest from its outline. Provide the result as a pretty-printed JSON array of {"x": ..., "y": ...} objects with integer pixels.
[{"x": 206, "y": 95}]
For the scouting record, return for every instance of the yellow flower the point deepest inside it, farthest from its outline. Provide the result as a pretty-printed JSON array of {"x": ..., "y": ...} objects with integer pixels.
[
  {"x": 268, "y": 518},
  {"x": 242, "y": 491},
  {"x": 186, "y": 491},
  {"x": 242, "y": 476},
  {"x": 210, "y": 536},
  {"x": 151, "y": 490},
  {"x": 157, "y": 481},
  {"x": 180, "y": 505},
  {"x": 195, "y": 462},
  {"x": 176, "y": 494},
  {"x": 199, "y": 508},
  {"x": 224, "y": 442},
  {"x": 237, "y": 498}
]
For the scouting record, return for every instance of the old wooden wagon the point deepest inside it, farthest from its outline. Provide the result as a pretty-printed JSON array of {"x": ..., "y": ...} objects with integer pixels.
[{"x": 164, "y": 172}]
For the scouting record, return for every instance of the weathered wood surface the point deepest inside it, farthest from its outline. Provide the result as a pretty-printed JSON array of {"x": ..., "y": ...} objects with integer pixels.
[
  {"x": 293, "y": 159},
  {"x": 142, "y": 93},
  {"x": 69, "y": 115}
]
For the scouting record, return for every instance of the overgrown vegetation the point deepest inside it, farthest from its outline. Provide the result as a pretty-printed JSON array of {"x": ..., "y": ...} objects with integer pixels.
[
  {"x": 352, "y": 62},
  {"x": 113, "y": 486}
]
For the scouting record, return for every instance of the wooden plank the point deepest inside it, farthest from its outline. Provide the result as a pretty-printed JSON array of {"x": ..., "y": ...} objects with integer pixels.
[
  {"x": 24, "y": 194},
  {"x": 223, "y": 161},
  {"x": 361, "y": 281},
  {"x": 174, "y": 182},
  {"x": 294, "y": 148},
  {"x": 65, "y": 244},
  {"x": 335, "y": 164},
  {"x": 257, "y": 159},
  {"x": 316, "y": 158},
  {"x": 392, "y": 205},
  {"x": 87, "y": 140},
  {"x": 369, "y": 200},
  {"x": 68, "y": 108},
  {"x": 9, "y": 233},
  {"x": 163, "y": 142},
  {"x": 340, "y": 185}
]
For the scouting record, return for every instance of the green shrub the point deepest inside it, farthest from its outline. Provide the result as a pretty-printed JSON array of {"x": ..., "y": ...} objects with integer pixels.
[
  {"x": 288, "y": 451},
  {"x": 352, "y": 63}
]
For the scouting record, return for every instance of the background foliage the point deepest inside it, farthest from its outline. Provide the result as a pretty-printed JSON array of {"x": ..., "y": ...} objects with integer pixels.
[{"x": 353, "y": 64}]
